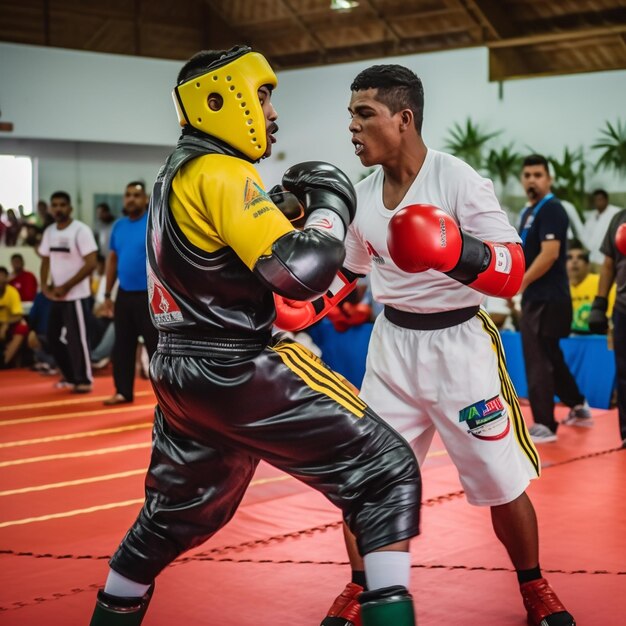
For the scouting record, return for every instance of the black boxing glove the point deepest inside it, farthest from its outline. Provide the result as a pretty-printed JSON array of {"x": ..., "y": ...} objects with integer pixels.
[
  {"x": 289, "y": 205},
  {"x": 325, "y": 193},
  {"x": 598, "y": 321}
]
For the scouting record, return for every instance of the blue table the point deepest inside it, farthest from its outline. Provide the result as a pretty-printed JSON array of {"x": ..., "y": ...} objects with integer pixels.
[{"x": 588, "y": 357}]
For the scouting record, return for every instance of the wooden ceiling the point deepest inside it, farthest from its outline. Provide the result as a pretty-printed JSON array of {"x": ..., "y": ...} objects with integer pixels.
[{"x": 524, "y": 37}]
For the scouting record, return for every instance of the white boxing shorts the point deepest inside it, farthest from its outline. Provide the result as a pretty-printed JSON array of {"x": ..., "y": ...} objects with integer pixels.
[{"x": 454, "y": 380}]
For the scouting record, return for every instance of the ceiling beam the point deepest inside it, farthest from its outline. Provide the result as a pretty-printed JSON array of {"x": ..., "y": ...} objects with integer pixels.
[
  {"x": 547, "y": 37},
  {"x": 491, "y": 13},
  {"x": 311, "y": 34},
  {"x": 216, "y": 32},
  {"x": 389, "y": 28}
]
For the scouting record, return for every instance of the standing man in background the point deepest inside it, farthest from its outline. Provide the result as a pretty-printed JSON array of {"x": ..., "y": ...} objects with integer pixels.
[
  {"x": 546, "y": 304},
  {"x": 127, "y": 262},
  {"x": 104, "y": 225},
  {"x": 596, "y": 226},
  {"x": 614, "y": 271},
  {"x": 68, "y": 253}
]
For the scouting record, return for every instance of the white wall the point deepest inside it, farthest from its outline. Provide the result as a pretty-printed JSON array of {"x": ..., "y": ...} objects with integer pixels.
[{"x": 97, "y": 121}]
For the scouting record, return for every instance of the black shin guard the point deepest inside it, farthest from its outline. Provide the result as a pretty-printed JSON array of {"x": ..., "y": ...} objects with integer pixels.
[
  {"x": 389, "y": 605},
  {"x": 116, "y": 611}
]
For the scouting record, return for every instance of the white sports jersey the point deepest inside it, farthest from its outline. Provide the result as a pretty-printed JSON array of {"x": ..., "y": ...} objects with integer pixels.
[
  {"x": 67, "y": 248},
  {"x": 449, "y": 184}
]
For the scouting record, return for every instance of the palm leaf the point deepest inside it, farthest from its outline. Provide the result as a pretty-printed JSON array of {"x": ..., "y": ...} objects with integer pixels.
[
  {"x": 612, "y": 142},
  {"x": 468, "y": 141}
]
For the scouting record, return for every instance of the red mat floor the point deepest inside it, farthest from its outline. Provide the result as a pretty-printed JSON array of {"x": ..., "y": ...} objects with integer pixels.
[{"x": 71, "y": 482}]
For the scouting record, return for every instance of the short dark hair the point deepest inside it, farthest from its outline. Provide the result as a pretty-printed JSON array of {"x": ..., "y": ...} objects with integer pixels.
[
  {"x": 576, "y": 244},
  {"x": 103, "y": 205},
  {"x": 398, "y": 88},
  {"x": 536, "y": 159},
  {"x": 137, "y": 183},
  {"x": 4, "y": 270},
  {"x": 17, "y": 255},
  {"x": 601, "y": 192},
  {"x": 61, "y": 194}
]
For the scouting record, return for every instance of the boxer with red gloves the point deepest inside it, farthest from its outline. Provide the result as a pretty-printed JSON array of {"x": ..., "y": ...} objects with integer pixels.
[
  {"x": 435, "y": 359},
  {"x": 423, "y": 237}
]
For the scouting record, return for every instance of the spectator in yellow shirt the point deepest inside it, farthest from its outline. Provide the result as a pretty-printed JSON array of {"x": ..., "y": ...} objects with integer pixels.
[
  {"x": 13, "y": 329},
  {"x": 583, "y": 286}
]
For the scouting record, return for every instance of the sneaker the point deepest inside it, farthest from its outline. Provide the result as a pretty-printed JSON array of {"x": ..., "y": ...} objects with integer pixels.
[
  {"x": 346, "y": 610},
  {"x": 62, "y": 384},
  {"x": 543, "y": 606},
  {"x": 580, "y": 415},
  {"x": 102, "y": 363},
  {"x": 541, "y": 434},
  {"x": 82, "y": 388}
]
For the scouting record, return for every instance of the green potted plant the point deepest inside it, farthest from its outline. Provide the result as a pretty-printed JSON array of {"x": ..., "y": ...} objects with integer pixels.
[
  {"x": 612, "y": 142},
  {"x": 569, "y": 177},
  {"x": 468, "y": 142}
]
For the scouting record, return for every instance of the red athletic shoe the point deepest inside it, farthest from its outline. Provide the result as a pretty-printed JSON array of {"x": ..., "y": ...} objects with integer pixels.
[
  {"x": 543, "y": 606},
  {"x": 346, "y": 610}
]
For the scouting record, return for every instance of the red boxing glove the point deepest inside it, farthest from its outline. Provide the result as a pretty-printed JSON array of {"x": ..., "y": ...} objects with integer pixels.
[
  {"x": 346, "y": 315},
  {"x": 294, "y": 315},
  {"x": 620, "y": 239},
  {"x": 422, "y": 237}
]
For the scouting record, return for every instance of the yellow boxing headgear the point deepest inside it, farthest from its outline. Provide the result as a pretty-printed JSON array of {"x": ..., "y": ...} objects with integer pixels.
[{"x": 236, "y": 77}]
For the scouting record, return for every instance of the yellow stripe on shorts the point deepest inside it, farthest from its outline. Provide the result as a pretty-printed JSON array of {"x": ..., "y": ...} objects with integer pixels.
[
  {"x": 304, "y": 364},
  {"x": 510, "y": 396}
]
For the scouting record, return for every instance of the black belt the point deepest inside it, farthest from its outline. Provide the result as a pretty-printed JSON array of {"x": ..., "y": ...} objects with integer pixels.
[
  {"x": 430, "y": 321},
  {"x": 177, "y": 344}
]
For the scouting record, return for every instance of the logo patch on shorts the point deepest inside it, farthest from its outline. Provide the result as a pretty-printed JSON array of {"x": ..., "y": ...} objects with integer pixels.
[{"x": 487, "y": 419}]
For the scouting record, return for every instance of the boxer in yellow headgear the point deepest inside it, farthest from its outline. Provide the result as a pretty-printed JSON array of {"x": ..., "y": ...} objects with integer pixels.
[
  {"x": 229, "y": 391},
  {"x": 222, "y": 100}
]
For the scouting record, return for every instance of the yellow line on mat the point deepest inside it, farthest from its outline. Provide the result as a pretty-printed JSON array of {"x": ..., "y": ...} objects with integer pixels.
[
  {"x": 88, "y": 433},
  {"x": 76, "y": 455},
  {"x": 72, "y": 483},
  {"x": 82, "y": 400},
  {"x": 111, "y": 505},
  {"x": 65, "y": 416}
]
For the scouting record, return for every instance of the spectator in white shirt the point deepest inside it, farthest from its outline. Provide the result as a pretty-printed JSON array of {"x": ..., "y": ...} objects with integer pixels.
[{"x": 596, "y": 226}]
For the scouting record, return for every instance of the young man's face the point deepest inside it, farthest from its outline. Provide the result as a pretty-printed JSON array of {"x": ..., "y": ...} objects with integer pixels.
[
  {"x": 375, "y": 130},
  {"x": 60, "y": 209},
  {"x": 269, "y": 112},
  {"x": 577, "y": 265},
  {"x": 536, "y": 182}
]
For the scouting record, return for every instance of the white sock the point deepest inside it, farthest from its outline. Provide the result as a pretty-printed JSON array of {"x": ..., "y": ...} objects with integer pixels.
[
  {"x": 386, "y": 569},
  {"x": 122, "y": 587}
]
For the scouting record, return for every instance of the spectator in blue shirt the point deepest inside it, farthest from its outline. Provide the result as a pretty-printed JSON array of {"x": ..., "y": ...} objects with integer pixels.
[{"x": 127, "y": 262}]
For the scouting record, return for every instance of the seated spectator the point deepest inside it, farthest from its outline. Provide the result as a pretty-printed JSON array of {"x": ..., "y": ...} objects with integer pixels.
[
  {"x": 13, "y": 228},
  {"x": 32, "y": 236},
  {"x": 43, "y": 218},
  {"x": 38, "y": 336},
  {"x": 13, "y": 329},
  {"x": 104, "y": 329},
  {"x": 23, "y": 280},
  {"x": 583, "y": 286},
  {"x": 504, "y": 312}
]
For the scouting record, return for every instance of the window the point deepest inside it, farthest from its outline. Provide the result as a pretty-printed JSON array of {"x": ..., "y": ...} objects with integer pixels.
[{"x": 16, "y": 182}]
